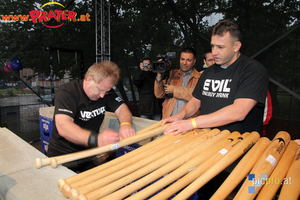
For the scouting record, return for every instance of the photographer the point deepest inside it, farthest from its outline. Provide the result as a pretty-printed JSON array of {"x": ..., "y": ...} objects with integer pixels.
[
  {"x": 149, "y": 106},
  {"x": 177, "y": 89}
]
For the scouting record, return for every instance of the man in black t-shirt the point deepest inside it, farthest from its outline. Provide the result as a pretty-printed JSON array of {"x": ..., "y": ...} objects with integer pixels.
[
  {"x": 231, "y": 93},
  {"x": 80, "y": 107}
]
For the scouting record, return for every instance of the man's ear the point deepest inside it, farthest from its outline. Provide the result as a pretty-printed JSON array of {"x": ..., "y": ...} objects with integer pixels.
[
  {"x": 237, "y": 46},
  {"x": 89, "y": 79}
]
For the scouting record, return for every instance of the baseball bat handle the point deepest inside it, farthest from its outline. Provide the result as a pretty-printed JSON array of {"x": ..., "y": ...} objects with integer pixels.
[{"x": 41, "y": 162}]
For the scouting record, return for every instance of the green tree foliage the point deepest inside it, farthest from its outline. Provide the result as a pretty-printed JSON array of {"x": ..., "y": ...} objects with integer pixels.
[
  {"x": 32, "y": 41},
  {"x": 145, "y": 28}
]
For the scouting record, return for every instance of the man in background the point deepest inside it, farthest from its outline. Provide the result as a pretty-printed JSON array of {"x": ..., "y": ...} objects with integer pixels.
[
  {"x": 149, "y": 106},
  {"x": 208, "y": 60},
  {"x": 177, "y": 89}
]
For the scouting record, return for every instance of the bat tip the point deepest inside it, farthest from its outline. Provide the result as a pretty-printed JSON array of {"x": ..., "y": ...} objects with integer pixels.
[
  {"x": 60, "y": 183},
  {"x": 74, "y": 194},
  {"x": 66, "y": 190},
  {"x": 38, "y": 163},
  {"x": 53, "y": 163}
]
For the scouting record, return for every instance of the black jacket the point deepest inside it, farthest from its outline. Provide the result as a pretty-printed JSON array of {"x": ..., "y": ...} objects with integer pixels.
[{"x": 148, "y": 103}]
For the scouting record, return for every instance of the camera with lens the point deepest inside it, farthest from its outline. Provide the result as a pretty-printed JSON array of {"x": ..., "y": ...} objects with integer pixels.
[{"x": 163, "y": 65}]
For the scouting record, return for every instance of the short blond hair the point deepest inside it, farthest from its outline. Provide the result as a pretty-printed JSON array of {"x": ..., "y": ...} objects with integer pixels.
[{"x": 102, "y": 70}]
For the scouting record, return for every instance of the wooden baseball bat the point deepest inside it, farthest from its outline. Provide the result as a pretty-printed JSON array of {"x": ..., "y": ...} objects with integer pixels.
[
  {"x": 168, "y": 167},
  {"x": 265, "y": 165},
  {"x": 93, "y": 186},
  {"x": 207, "y": 157},
  {"x": 242, "y": 169},
  {"x": 187, "y": 148},
  {"x": 274, "y": 181},
  {"x": 46, "y": 161},
  {"x": 123, "y": 161},
  {"x": 202, "y": 174},
  {"x": 65, "y": 182},
  {"x": 135, "y": 162},
  {"x": 291, "y": 189},
  {"x": 58, "y": 160}
]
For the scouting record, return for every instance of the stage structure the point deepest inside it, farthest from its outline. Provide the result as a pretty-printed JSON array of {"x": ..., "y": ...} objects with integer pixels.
[
  {"x": 102, "y": 18},
  {"x": 58, "y": 50}
]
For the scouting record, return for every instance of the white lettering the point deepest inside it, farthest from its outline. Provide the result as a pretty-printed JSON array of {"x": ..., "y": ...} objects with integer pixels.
[
  {"x": 206, "y": 85},
  {"x": 209, "y": 94},
  {"x": 118, "y": 99},
  {"x": 226, "y": 89},
  {"x": 222, "y": 95},
  {"x": 86, "y": 115},
  {"x": 221, "y": 85},
  {"x": 217, "y": 85}
]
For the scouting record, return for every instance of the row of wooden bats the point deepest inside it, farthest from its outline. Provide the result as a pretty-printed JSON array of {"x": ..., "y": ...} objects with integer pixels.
[{"x": 184, "y": 163}]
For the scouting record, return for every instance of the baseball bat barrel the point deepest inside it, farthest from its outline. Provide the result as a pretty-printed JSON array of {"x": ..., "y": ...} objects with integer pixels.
[
  {"x": 113, "y": 186},
  {"x": 201, "y": 176},
  {"x": 265, "y": 165},
  {"x": 84, "y": 174},
  {"x": 128, "y": 166},
  {"x": 241, "y": 170},
  {"x": 121, "y": 162},
  {"x": 291, "y": 190},
  {"x": 270, "y": 188},
  {"x": 209, "y": 156}
]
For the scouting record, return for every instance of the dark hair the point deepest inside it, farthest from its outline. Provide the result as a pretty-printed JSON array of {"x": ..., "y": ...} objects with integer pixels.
[
  {"x": 146, "y": 58},
  {"x": 189, "y": 50},
  {"x": 206, "y": 52},
  {"x": 227, "y": 25}
]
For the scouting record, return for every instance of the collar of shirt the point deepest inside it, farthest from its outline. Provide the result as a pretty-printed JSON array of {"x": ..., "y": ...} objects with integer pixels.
[{"x": 189, "y": 73}]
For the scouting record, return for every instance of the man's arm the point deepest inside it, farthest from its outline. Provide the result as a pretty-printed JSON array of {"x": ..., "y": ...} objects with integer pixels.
[
  {"x": 72, "y": 132},
  {"x": 180, "y": 92},
  {"x": 125, "y": 118},
  {"x": 229, "y": 114},
  {"x": 187, "y": 111},
  {"x": 159, "y": 86}
]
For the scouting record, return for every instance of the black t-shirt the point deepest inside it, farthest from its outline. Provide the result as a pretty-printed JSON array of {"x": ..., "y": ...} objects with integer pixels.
[
  {"x": 218, "y": 88},
  {"x": 71, "y": 100}
]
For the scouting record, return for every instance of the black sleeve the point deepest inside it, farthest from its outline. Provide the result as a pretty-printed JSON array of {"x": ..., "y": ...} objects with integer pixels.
[
  {"x": 253, "y": 83},
  {"x": 197, "y": 93},
  {"x": 65, "y": 102},
  {"x": 113, "y": 101},
  {"x": 138, "y": 79}
]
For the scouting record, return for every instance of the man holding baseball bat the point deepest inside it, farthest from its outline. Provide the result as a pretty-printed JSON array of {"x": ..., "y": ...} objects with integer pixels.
[
  {"x": 80, "y": 107},
  {"x": 231, "y": 93}
]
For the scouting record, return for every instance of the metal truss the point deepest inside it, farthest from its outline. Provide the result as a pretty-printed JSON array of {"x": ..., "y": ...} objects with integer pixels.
[{"x": 102, "y": 15}]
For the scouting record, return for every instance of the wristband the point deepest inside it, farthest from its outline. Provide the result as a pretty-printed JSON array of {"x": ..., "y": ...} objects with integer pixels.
[
  {"x": 194, "y": 123},
  {"x": 125, "y": 123},
  {"x": 93, "y": 139}
]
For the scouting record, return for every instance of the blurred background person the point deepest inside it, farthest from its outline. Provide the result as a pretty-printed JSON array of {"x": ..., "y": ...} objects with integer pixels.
[
  {"x": 208, "y": 60},
  {"x": 149, "y": 107},
  {"x": 177, "y": 89}
]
